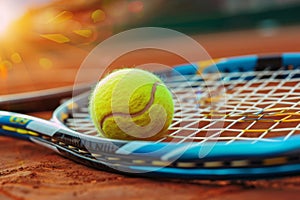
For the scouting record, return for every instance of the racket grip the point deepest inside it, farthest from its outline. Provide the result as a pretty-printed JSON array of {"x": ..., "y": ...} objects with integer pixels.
[
  {"x": 44, "y": 100},
  {"x": 14, "y": 129},
  {"x": 24, "y": 127}
]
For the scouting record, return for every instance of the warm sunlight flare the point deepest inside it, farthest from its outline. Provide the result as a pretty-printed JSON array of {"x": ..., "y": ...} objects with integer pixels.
[
  {"x": 7, "y": 16},
  {"x": 13, "y": 9}
]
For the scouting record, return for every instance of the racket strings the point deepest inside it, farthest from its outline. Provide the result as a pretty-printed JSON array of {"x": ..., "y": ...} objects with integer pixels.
[
  {"x": 250, "y": 106},
  {"x": 270, "y": 98}
]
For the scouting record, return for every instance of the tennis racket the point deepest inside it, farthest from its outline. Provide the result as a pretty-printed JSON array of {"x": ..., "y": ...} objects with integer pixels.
[{"x": 235, "y": 118}]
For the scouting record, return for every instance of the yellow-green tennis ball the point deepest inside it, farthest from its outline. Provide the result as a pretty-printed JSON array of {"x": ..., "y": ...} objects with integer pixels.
[{"x": 131, "y": 104}]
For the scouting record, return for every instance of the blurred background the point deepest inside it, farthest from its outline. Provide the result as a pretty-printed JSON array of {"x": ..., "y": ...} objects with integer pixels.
[{"x": 43, "y": 42}]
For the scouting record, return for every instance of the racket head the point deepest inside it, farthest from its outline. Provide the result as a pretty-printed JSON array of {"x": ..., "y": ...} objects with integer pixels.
[{"x": 249, "y": 141}]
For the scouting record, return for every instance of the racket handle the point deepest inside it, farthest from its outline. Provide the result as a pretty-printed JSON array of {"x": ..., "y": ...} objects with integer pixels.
[
  {"x": 44, "y": 100},
  {"x": 24, "y": 126}
]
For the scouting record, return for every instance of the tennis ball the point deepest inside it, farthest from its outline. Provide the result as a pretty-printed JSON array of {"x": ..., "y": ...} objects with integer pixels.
[{"x": 131, "y": 104}]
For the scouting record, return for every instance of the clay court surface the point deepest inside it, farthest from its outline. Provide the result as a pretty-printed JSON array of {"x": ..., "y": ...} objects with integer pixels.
[{"x": 28, "y": 171}]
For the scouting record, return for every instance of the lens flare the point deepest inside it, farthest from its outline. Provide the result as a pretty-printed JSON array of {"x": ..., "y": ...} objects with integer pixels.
[{"x": 8, "y": 13}]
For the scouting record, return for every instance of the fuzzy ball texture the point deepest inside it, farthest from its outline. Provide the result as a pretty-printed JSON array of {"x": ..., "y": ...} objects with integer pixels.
[{"x": 131, "y": 104}]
